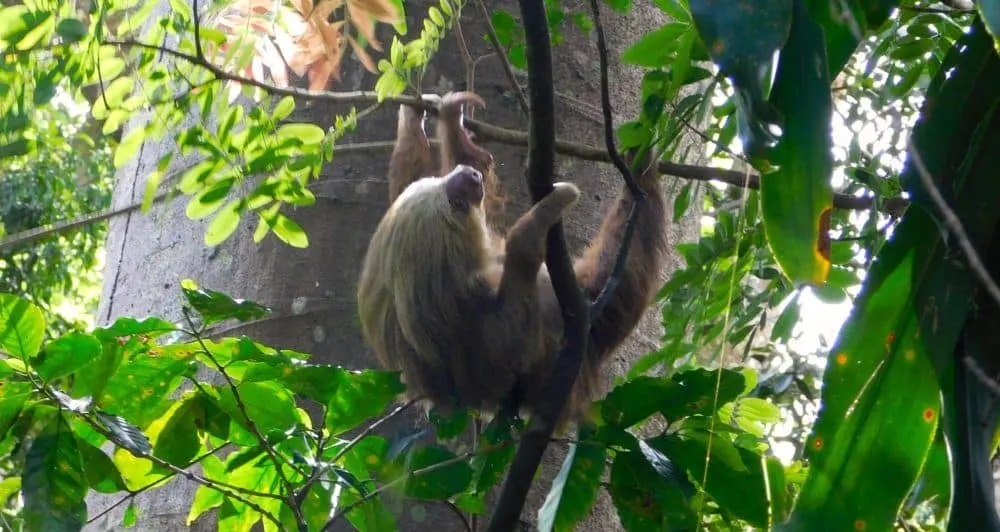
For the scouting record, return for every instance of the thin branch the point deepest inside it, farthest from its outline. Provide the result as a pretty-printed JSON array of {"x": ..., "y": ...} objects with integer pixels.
[
  {"x": 955, "y": 226},
  {"x": 572, "y": 303},
  {"x": 490, "y": 133},
  {"x": 132, "y": 494},
  {"x": 508, "y": 70},
  {"x": 407, "y": 476},
  {"x": 254, "y": 429},
  {"x": 638, "y": 196},
  {"x": 229, "y": 490},
  {"x": 989, "y": 382},
  {"x": 318, "y": 472}
]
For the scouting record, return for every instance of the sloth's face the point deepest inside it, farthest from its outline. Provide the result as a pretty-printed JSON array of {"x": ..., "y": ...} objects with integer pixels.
[{"x": 452, "y": 201}]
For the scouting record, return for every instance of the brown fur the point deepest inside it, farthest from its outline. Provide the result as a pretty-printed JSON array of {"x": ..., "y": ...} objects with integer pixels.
[{"x": 469, "y": 318}]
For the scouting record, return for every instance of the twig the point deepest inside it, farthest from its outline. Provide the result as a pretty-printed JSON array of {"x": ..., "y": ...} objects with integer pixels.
[
  {"x": 470, "y": 75},
  {"x": 455, "y": 509},
  {"x": 38, "y": 233},
  {"x": 572, "y": 303},
  {"x": 508, "y": 70},
  {"x": 132, "y": 493},
  {"x": 318, "y": 472},
  {"x": 955, "y": 226},
  {"x": 487, "y": 132},
  {"x": 229, "y": 490},
  {"x": 984, "y": 379},
  {"x": 254, "y": 429},
  {"x": 638, "y": 196},
  {"x": 407, "y": 476}
]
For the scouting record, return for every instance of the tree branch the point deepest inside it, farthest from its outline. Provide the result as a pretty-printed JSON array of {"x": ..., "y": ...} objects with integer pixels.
[
  {"x": 508, "y": 71},
  {"x": 638, "y": 196},
  {"x": 575, "y": 310},
  {"x": 491, "y": 133}
]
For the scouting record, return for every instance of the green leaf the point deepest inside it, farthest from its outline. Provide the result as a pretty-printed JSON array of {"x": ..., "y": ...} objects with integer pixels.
[
  {"x": 290, "y": 232},
  {"x": 283, "y": 109},
  {"x": 574, "y": 489},
  {"x": 449, "y": 425},
  {"x": 656, "y": 48},
  {"x": 307, "y": 134},
  {"x": 67, "y": 355},
  {"x": 645, "y": 500},
  {"x": 102, "y": 474},
  {"x": 151, "y": 327},
  {"x": 13, "y": 396},
  {"x": 735, "y": 477},
  {"x": 698, "y": 391},
  {"x": 22, "y": 327},
  {"x": 885, "y": 377},
  {"x": 224, "y": 223},
  {"x": 117, "y": 91},
  {"x": 360, "y": 396},
  {"x": 216, "y": 306},
  {"x": 54, "y": 483},
  {"x": 131, "y": 515},
  {"x": 433, "y": 480},
  {"x": 797, "y": 198},
  {"x": 178, "y": 442},
  {"x": 129, "y": 146},
  {"x": 271, "y": 407},
  {"x": 209, "y": 199},
  {"x": 682, "y": 202}
]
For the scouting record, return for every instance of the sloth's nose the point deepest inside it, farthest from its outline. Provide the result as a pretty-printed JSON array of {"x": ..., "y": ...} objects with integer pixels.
[{"x": 466, "y": 171}]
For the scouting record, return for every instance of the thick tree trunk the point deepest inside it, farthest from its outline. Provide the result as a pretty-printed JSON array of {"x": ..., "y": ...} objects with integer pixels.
[{"x": 148, "y": 255}]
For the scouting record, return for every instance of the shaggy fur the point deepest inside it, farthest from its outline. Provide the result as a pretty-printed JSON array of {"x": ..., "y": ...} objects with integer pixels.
[{"x": 471, "y": 319}]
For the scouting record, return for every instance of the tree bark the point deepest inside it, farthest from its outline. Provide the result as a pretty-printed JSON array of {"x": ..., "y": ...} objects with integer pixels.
[{"x": 148, "y": 255}]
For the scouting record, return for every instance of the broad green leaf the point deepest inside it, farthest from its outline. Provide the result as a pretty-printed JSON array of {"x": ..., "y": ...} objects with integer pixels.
[
  {"x": 67, "y": 355},
  {"x": 735, "y": 476},
  {"x": 449, "y": 425},
  {"x": 698, "y": 391},
  {"x": 206, "y": 498},
  {"x": 139, "y": 389},
  {"x": 54, "y": 483},
  {"x": 574, "y": 489},
  {"x": 179, "y": 442},
  {"x": 102, "y": 475},
  {"x": 269, "y": 406},
  {"x": 881, "y": 394},
  {"x": 360, "y": 396},
  {"x": 13, "y": 396},
  {"x": 431, "y": 478},
  {"x": 214, "y": 306},
  {"x": 645, "y": 500},
  {"x": 656, "y": 48},
  {"x": 22, "y": 327},
  {"x": 797, "y": 198},
  {"x": 151, "y": 327}
]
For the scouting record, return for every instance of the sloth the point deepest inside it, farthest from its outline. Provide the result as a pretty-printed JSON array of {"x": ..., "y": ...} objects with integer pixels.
[{"x": 468, "y": 315}]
